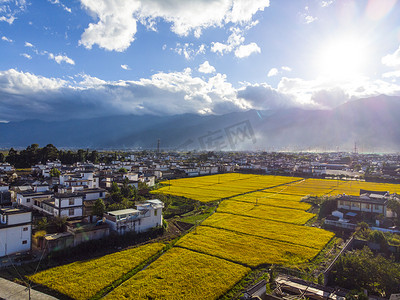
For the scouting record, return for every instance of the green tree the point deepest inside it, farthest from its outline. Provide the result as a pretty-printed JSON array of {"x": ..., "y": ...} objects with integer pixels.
[
  {"x": 127, "y": 191},
  {"x": 81, "y": 156},
  {"x": 394, "y": 205},
  {"x": 123, "y": 170},
  {"x": 361, "y": 269},
  {"x": 42, "y": 224},
  {"x": 99, "y": 208},
  {"x": 114, "y": 188},
  {"x": 55, "y": 172},
  {"x": 60, "y": 223},
  {"x": 12, "y": 157},
  {"x": 94, "y": 157},
  {"x": 2, "y": 157},
  {"x": 49, "y": 153}
]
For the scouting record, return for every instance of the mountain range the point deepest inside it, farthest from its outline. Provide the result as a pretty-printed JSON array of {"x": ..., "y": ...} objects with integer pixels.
[{"x": 370, "y": 124}]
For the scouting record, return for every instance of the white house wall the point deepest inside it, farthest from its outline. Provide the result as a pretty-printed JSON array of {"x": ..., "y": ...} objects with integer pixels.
[
  {"x": 14, "y": 219},
  {"x": 15, "y": 239}
]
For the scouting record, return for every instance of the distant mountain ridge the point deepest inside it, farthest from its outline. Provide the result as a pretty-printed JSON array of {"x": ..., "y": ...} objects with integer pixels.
[{"x": 372, "y": 123}]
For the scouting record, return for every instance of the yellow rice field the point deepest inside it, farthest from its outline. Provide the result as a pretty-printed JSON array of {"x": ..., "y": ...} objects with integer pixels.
[
  {"x": 245, "y": 249},
  {"x": 216, "y": 187},
  {"x": 267, "y": 212},
  {"x": 302, "y": 235},
  {"x": 83, "y": 279},
  {"x": 182, "y": 274}
]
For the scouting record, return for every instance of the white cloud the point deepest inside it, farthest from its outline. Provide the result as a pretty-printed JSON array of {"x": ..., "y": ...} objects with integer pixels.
[
  {"x": 235, "y": 43},
  {"x": 25, "y": 95},
  {"x": 9, "y": 19},
  {"x": 312, "y": 93},
  {"x": 234, "y": 40},
  {"x": 273, "y": 72},
  {"x": 326, "y": 3},
  {"x": 392, "y": 60},
  {"x": 61, "y": 58},
  {"x": 309, "y": 19},
  {"x": 116, "y": 25},
  {"x": 57, "y": 2},
  {"x": 188, "y": 50},
  {"x": 10, "y": 9},
  {"x": 6, "y": 39},
  {"x": 306, "y": 17},
  {"x": 26, "y": 55},
  {"x": 125, "y": 67},
  {"x": 391, "y": 74},
  {"x": 27, "y": 44},
  {"x": 247, "y": 50},
  {"x": 206, "y": 68}
]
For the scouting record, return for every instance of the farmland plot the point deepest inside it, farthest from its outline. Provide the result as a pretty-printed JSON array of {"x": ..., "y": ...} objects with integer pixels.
[
  {"x": 182, "y": 274},
  {"x": 83, "y": 279}
]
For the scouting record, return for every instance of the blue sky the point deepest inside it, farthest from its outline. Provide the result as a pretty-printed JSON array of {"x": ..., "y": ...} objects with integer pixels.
[{"x": 80, "y": 59}]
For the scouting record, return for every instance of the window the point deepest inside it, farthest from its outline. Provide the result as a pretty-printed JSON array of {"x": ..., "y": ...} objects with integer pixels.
[
  {"x": 377, "y": 207},
  {"x": 341, "y": 202},
  {"x": 71, "y": 212},
  {"x": 71, "y": 202},
  {"x": 24, "y": 242},
  {"x": 367, "y": 205},
  {"x": 28, "y": 200},
  {"x": 155, "y": 212},
  {"x": 25, "y": 229}
]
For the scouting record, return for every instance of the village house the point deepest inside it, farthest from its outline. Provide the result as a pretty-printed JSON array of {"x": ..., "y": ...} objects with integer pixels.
[
  {"x": 15, "y": 230},
  {"x": 5, "y": 195},
  {"x": 26, "y": 198},
  {"x": 147, "y": 215},
  {"x": 370, "y": 202}
]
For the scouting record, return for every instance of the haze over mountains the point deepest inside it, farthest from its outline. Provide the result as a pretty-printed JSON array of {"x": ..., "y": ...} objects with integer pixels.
[{"x": 372, "y": 123}]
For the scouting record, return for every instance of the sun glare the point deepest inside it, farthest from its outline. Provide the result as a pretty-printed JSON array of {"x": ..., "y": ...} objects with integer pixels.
[{"x": 342, "y": 58}]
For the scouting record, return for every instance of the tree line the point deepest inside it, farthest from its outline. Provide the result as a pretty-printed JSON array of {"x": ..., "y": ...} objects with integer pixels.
[{"x": 33, "y": 155}]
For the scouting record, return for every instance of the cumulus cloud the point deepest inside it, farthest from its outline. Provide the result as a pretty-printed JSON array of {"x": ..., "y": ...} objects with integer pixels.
[
  {"x": 6, "y": 39},
  {"x": 10, "y": 9},
  {"x": 330, "y": 98},
  {"x": 247, "y": 50},
  {"x": 272, "y": 72},
  {"x": 306, "y": 16},
  {"x": 61, "y": 58},
  {"x": 188, "y": 50},
  {"x": 264, "y": 97},
  {"x": 392, "y": 60},
  {"x": 206, "y": 68},
  {"x": 27, "y": 44},
  {"x": 326, "y": 3},
  {"x": 235, "y": 43},
  {"x": 117, "y": 19},
  {"x": 26, "y": 55},
  {"x": 235, "y": 39},
  {"x": 322, "y": 93},
  {"x": 24, "y": 95},
  {"x": 57, "y": 2},
  {"x": 125, "y": 67},
  {"x": 391, "y": 74}
]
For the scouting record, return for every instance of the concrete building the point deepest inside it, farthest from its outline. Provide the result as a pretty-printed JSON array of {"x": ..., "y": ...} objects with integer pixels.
[
  {"x": 147, "y": 215},
  {"x": 15, "y": 230}
]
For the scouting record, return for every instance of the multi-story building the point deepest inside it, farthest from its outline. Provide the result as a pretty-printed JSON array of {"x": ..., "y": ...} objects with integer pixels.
[
  {"x": 15, "y": 230},
  {"x": 147, "y": 215}
]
